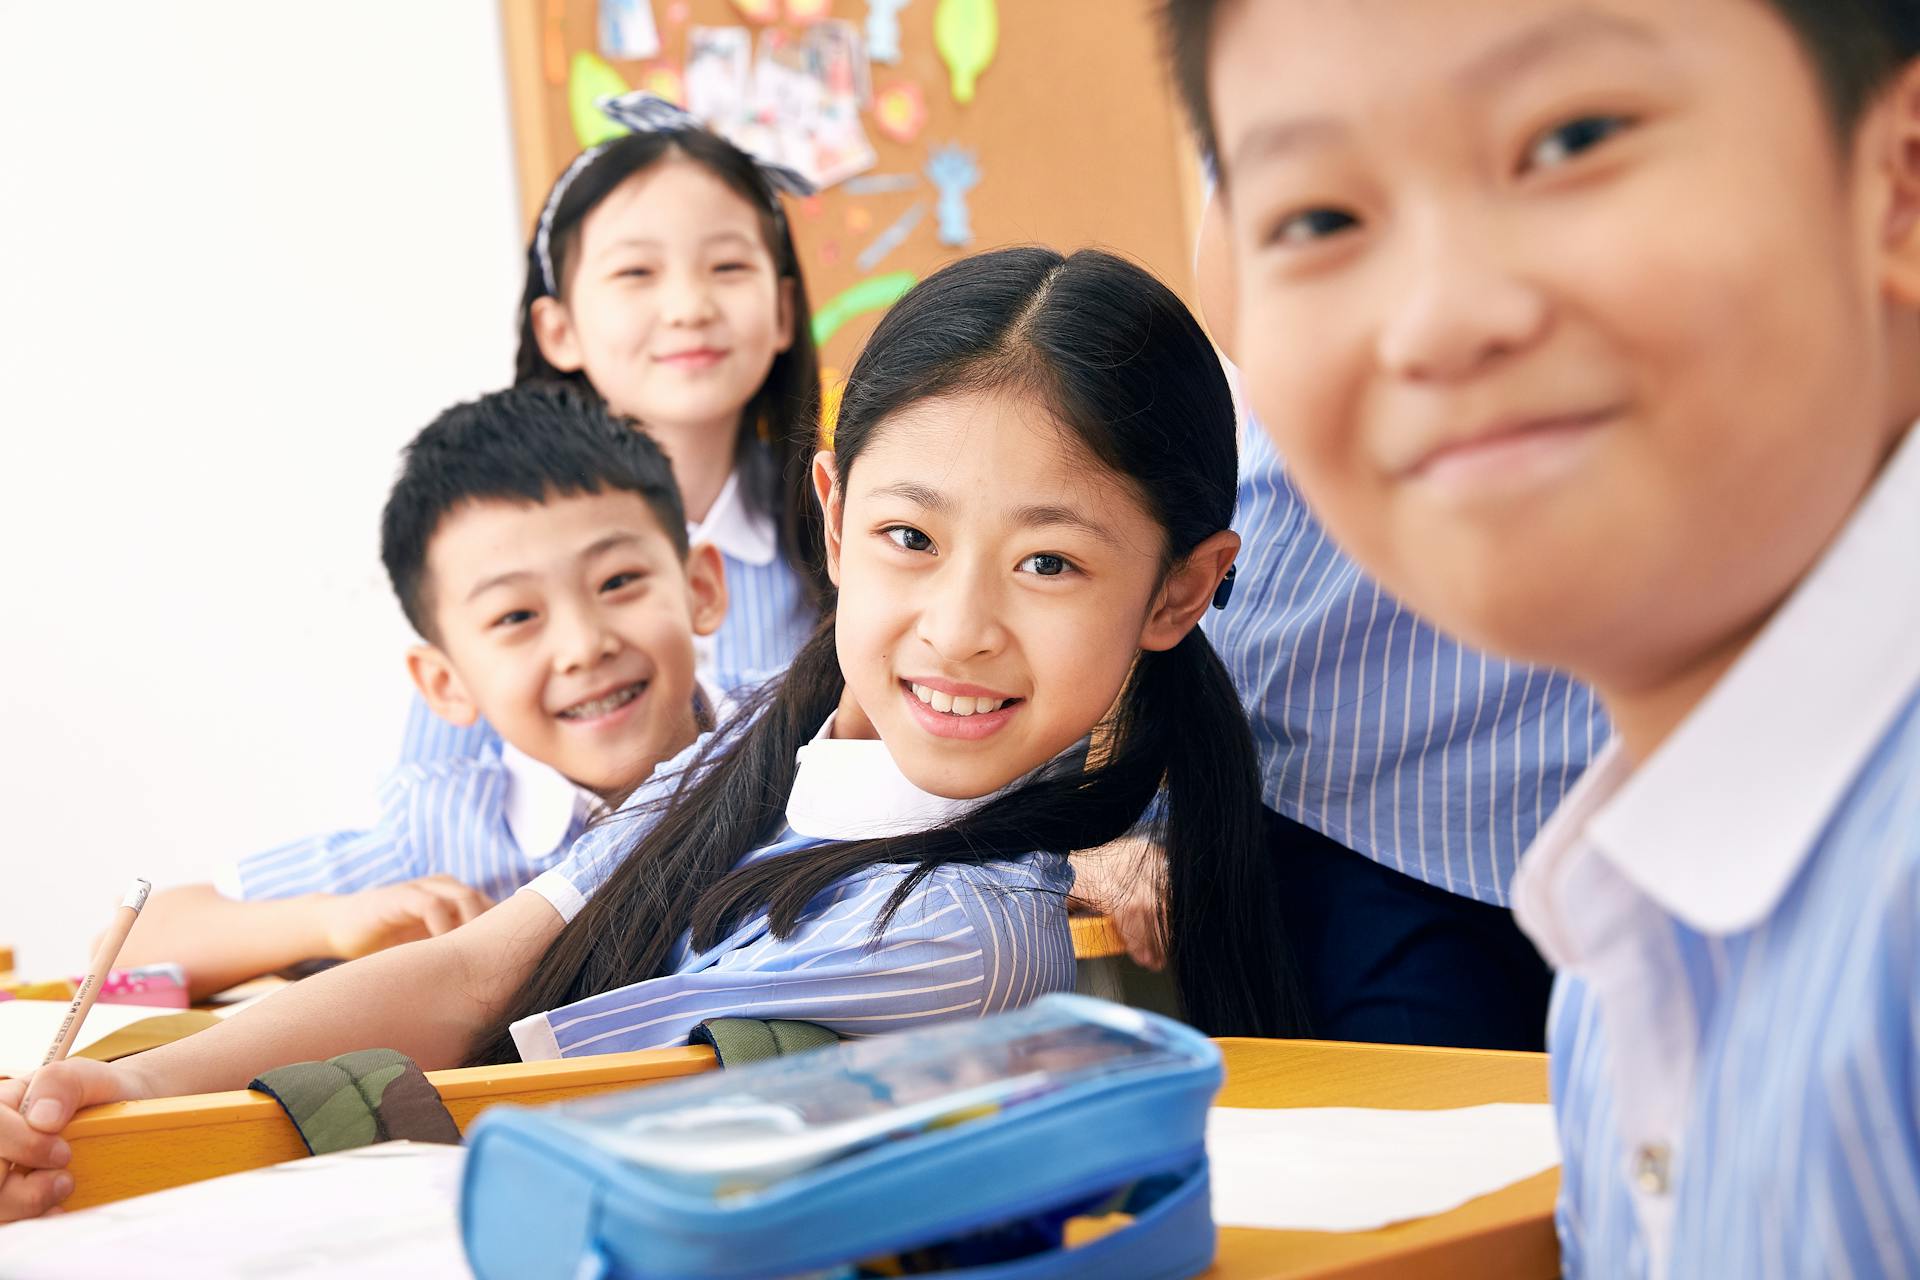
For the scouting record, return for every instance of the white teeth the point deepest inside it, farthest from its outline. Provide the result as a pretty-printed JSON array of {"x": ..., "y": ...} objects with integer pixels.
[
  {"x": 951, "y": 705},
  {"x": 601, "y": 706}
]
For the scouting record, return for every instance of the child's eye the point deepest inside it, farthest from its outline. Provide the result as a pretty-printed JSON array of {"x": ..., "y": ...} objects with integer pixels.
[
  {"x": 620, "y": 580},
  {"x": 1565, "y": 141},
  {"x": 733, "y": 266},
  {"x": 1308, "y": 226},
  {"x": 513, "y": 618},
  {"x": 908, "y": 538},
  {"x": 1047, "y": 565},
  {"x": 635, "y": 273}
]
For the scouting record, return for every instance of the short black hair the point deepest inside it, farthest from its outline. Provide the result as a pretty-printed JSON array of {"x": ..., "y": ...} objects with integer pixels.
[
  {"x": 527, "y": 444},
  {"x": 1856, "y": 47}
]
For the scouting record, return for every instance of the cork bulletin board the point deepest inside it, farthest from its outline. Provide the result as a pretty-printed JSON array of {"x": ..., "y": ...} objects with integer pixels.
[{"x": 1072, "y": 124}]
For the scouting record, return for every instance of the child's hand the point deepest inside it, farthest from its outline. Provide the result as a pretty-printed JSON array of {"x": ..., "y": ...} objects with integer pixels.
[
  {"x": 1125, "y": 881},
  {"x": 31, "y": 1143},
  {"x": 356, "y": 924}
]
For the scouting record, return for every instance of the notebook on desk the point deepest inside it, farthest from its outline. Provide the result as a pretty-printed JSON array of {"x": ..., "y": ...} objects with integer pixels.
[{"x": 388, "y": 1212}]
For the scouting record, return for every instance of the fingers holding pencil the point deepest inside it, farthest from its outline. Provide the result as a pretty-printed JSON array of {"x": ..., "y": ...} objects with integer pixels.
[{"x": 33, "y": 1111}]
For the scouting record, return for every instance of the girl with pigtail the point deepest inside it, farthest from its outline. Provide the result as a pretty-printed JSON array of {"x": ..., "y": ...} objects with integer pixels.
[{"x": 1025, "y": 514}]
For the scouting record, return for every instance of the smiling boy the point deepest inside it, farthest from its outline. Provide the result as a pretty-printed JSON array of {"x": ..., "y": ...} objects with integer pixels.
[
  {"x": 1591, "y": 330},
  {"x": 538, "y": 546}
]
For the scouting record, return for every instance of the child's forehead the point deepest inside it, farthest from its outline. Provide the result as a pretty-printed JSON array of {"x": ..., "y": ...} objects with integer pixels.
[
  {"x": 484, "y": 537},
  {"x": 1275, "y": 64}
]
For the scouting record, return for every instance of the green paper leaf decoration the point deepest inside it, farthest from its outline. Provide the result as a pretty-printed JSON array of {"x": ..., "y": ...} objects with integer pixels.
[
  {"x": 966, "y": 32},
  {"x": 589, "y": 80},
  {"x": 875, "y": 293}
]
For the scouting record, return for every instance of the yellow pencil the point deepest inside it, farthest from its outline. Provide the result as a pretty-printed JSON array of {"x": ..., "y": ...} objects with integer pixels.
[{"x": 103, "y": 960}]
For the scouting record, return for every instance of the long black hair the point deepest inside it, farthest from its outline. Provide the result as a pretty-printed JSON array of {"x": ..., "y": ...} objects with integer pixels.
[
  {"x": 784, "y": 414},
  {"x": 1123, "y": 365}
]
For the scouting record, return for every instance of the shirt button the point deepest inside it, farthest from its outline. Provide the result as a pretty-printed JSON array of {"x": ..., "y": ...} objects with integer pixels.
[{"x": 1652, "y": 1165}]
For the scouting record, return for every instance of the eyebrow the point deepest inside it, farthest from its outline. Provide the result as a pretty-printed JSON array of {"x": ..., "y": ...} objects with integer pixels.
[
  {"x": 648, "y": 242},
  {"x": 1548, "y": 39},
  {"x": 1038, "y": 515},
  {"x": 599, "y": 546},
  {"x": 1521, "y": 52}
]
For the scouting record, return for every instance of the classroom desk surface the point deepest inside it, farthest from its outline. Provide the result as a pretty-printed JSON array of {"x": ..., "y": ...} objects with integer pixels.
[
  {"x": 1508, "y": 1233},
  {"x": 129, "y": 1148}
]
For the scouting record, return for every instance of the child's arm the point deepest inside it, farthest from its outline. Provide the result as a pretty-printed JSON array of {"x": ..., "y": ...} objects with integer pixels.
[
  {"x": 221, "y": 941},
  {"x": 1126, "y": 881},
  {"x": 427, "y": 999}
]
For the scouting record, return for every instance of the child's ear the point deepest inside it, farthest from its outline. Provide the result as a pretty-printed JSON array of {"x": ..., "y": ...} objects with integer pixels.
[
  {"x": 826, "y": 487},
  {"x": 440, "y": 685},
  {"x": 1900, "y": 163},
  {"x": 783, "y": 323},
  {"x": 1189, "y": 591},
  {"x": 706, "y": 587},
  {"x": 553, "y": 330}
]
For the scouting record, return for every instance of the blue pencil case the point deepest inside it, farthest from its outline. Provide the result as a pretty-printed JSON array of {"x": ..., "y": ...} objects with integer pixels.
[{"x": 967, "y": 1150}]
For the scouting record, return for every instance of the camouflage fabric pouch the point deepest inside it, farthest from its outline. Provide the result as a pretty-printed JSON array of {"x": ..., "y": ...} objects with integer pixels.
[{"x": 356, "y": 1099}]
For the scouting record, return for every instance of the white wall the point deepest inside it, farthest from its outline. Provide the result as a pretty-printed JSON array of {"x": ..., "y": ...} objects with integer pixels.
[{"x": 246, "y": 250}]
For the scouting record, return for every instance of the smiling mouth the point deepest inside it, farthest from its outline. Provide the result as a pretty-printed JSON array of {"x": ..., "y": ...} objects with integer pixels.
[
  {"x": 1508, "y": 438},
  {"x": 948, "y": 704},
  {"x": 605, "y": 705}
]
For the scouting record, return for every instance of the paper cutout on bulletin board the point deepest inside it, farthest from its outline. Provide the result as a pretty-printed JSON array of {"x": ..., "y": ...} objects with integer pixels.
[
  {"x": 954, "y": 171},
  {"x": 900, "y": 110},
  {"x": 875, "y": 293},
  {"x": 890, "y": 239},
  {"x": 880, "y": 184},
  {"x": 807, "y": 92},
  {"x": 720, "y": 74},
  {"x": 758, "y": 10},
  {"x": 589, "y": 80},
  {"x": 663, "y": 80},
  {"x": 883, "y": 30},
  {"x": 808, "y": 10},
  {"x": 966, "y": 32},
  {"x": 627, "y": 30},
  {"x": 833, "y": 385}
]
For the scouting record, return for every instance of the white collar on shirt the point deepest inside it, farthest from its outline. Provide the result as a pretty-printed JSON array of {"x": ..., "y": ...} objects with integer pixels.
[
  {"x": 1719, "y": 820},
  {"x": 850, "y": 789},
  {"x": 735, "y": 531},
  {"x": 543, "y": 804}
]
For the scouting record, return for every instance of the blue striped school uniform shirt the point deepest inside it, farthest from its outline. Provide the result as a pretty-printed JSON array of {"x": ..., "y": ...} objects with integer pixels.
[
  {"x": 1377, "y": 731},
  {"x": 768, "y": 618},
  {"x": 1735, "y": 1032},
  {"x": 493, "y": 820},
  {"x": 968, "y": 941}
]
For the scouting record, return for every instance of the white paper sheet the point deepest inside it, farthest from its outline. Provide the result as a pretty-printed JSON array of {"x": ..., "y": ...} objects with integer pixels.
[
  {"x": 389, "y": 1212},
  {"x": 1357, "y": 1169},
  {"x": 27, "y": 1028}
]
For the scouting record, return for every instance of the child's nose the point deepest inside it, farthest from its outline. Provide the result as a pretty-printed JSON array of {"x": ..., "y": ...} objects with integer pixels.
[
  {"x": 688, "y": 299},
  {"x": 582, "y": 642},
  {"x": 961, "y": 616},
  {"x": 1460, "y": 305}
]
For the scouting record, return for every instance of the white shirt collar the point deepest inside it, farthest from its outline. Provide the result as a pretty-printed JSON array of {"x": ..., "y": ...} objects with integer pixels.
[
  {"x": 543, "y": 804},
  {"x": 1716, "y": 824},
  {"x": 850, "y": 789},
  {"x": 734, "y": 530}
]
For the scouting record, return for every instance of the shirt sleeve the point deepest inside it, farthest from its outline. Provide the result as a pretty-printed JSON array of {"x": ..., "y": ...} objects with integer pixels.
[
  {"x": 339, "y": 861},
  {"x": 968, "y": 942}
]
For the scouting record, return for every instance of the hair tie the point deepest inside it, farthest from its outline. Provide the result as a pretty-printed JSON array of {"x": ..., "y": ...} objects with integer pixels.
[{"x": 643, "y": 112}]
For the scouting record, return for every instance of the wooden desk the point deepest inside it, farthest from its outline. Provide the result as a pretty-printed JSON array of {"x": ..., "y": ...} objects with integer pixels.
[
  {"x": 134, "y": 1147},
  {"x": 1096, "y": 938},
  {"x": 1508, "y": 1233},
  {"x": 130, "y": 1148}
]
